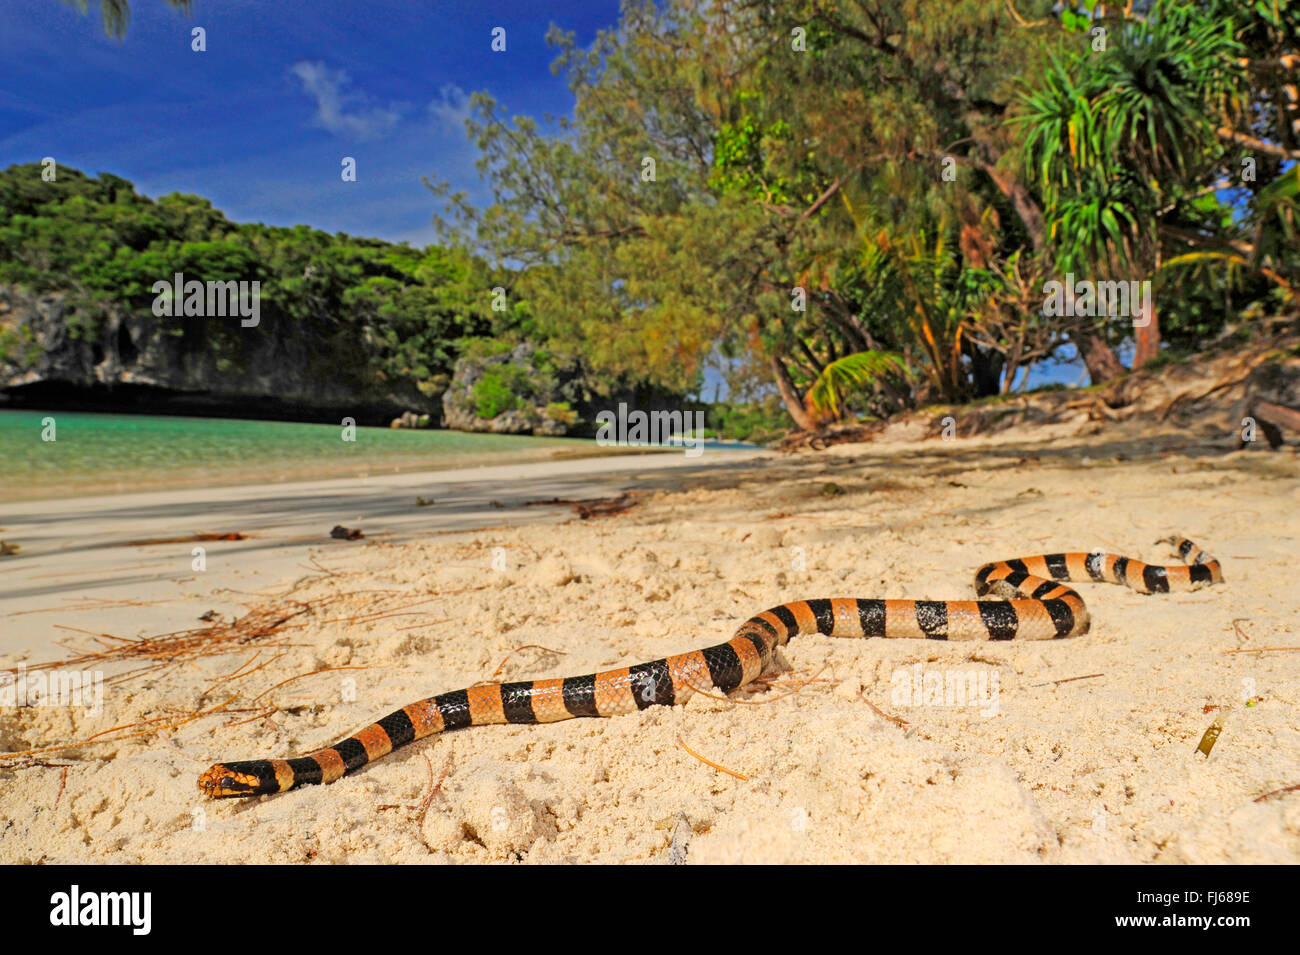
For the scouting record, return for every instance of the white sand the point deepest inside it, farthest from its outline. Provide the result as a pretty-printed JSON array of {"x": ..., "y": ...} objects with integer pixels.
[
  {"x": 74, "y": 551},
  {"x": 1102, "y": 769}
]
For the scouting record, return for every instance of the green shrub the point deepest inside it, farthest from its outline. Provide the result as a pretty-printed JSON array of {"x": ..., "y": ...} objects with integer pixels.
[
  {"x": 493, "y": 396},
  {"x": 561, "y": 412},
  {"x": 478, "y": 347},
  {"x": 19, "y": 347},
  {"x": 758, "y": 423}
]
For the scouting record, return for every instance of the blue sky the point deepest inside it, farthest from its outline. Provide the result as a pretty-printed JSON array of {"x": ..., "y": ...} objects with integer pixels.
[{"x": 260, "y": 122}]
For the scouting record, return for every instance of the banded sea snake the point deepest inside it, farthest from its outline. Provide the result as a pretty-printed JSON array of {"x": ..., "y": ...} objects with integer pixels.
[{"x": 1032, "y": 604}]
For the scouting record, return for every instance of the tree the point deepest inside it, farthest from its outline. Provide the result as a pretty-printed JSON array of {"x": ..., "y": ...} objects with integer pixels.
[
  {"x": 1136, "y": 148},
  {"x": 743, "y": 239},
  {"x": 793, "y": 184}
]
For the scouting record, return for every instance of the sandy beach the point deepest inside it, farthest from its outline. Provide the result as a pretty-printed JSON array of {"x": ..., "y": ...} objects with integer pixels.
[
  {"x": 1070, "y": 751},
  {"x": 97, "y": 551}
]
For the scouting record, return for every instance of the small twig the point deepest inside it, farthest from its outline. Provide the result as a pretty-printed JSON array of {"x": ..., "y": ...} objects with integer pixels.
[
  {"x": 301, "y": 676},
  {"x": 709, "y": 762},
  {"x": 526, "y": 646},
  {"x": 1260, "y": 649},
  {"x": 1069, "y": 679},
  {"x": 237, "y": 675},
  {"x": 263, "y": 714},
  {"x": 420, "y": 626},
  {"x": 897, "y": 721},
  {"x": 322, "y": 568},
  {"x": 727, "y": 699},
  {"x": 434, "y": 787},
  {"x": 1278, "y": 792}
]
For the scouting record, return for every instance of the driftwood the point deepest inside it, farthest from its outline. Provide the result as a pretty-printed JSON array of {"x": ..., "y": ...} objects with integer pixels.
[
  {"x": 1189, "y": 398},
  {"x": 1096, "y": 408},
  {"x": 1288, "y": 418}
]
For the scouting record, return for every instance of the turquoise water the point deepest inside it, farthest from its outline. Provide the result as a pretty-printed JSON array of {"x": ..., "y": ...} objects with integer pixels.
[{"x": 113, "y": 453}]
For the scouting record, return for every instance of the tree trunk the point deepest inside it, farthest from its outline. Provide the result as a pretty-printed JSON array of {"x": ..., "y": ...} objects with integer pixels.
[
  {"x": 790, "y": 395},
  {"x": 986, "y": 370},
  {"x": 1031, "y": 216},
  {"x": 1026, "y": 209},
  {"x": 1100, "y": 361},
  {"x": 1146, "y": 337}
]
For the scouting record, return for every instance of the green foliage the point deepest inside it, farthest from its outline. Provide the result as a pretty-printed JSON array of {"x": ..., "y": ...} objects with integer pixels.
[
  {"x": 1117, "y": 135},
  {"x": 380, "y": 314},
  {"x": 819, "y": 171},
  {"x": 799, "y": 215},
  {"x": 561, "y": 412},
  {"x": 741, "y": 162},
  {"x": 1135, "y": 152},
  {"x": 485, "y": 347},
  {"x": 755, "y": 422},
  {"x": 494, "y": 393},
  {"x": 18, "y": 346},
  {"x": 117, "y": 13},
  {"x": 756, "y": 146},
  {"x": 852, "y": 373}
]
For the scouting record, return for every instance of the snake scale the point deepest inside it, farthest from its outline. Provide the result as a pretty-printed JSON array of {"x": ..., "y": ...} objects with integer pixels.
[{"x": 1033, "y": 604}]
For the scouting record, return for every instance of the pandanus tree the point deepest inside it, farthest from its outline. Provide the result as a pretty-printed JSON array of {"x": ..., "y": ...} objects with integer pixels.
[
  {"x": 1274, "y": 224},
  {"x": 1120, "y": 134},
  {"x": 936, "y": 278}
]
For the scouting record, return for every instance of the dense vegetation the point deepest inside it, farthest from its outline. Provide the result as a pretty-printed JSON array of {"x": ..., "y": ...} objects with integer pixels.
[{"x": 862, "y": 200}]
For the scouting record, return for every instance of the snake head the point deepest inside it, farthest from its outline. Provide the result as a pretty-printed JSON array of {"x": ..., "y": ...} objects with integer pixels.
[{"x": 235, "y": 779}]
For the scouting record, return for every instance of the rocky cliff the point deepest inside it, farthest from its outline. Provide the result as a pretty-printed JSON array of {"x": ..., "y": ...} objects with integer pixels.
[
  {"x": 56, "y": 351},
  {"x": 520, "y": 391}
]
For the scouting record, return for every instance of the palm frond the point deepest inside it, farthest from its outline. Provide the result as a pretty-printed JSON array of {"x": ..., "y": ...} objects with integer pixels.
[
  {"x": 851, "y": 373},
  {"x": 1236, "y": 264}
]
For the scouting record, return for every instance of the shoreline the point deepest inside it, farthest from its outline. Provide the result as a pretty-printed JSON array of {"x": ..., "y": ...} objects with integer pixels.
[{"x": 147, "y": 454}]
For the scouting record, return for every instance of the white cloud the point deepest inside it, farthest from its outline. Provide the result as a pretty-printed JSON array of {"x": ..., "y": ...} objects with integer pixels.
[
  {"x": 339, "y": 110},
  {"x": 451, "y": 107}
]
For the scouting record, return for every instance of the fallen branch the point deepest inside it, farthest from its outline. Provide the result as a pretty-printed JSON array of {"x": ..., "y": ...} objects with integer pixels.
[{"x": 1069, "y": 679}]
